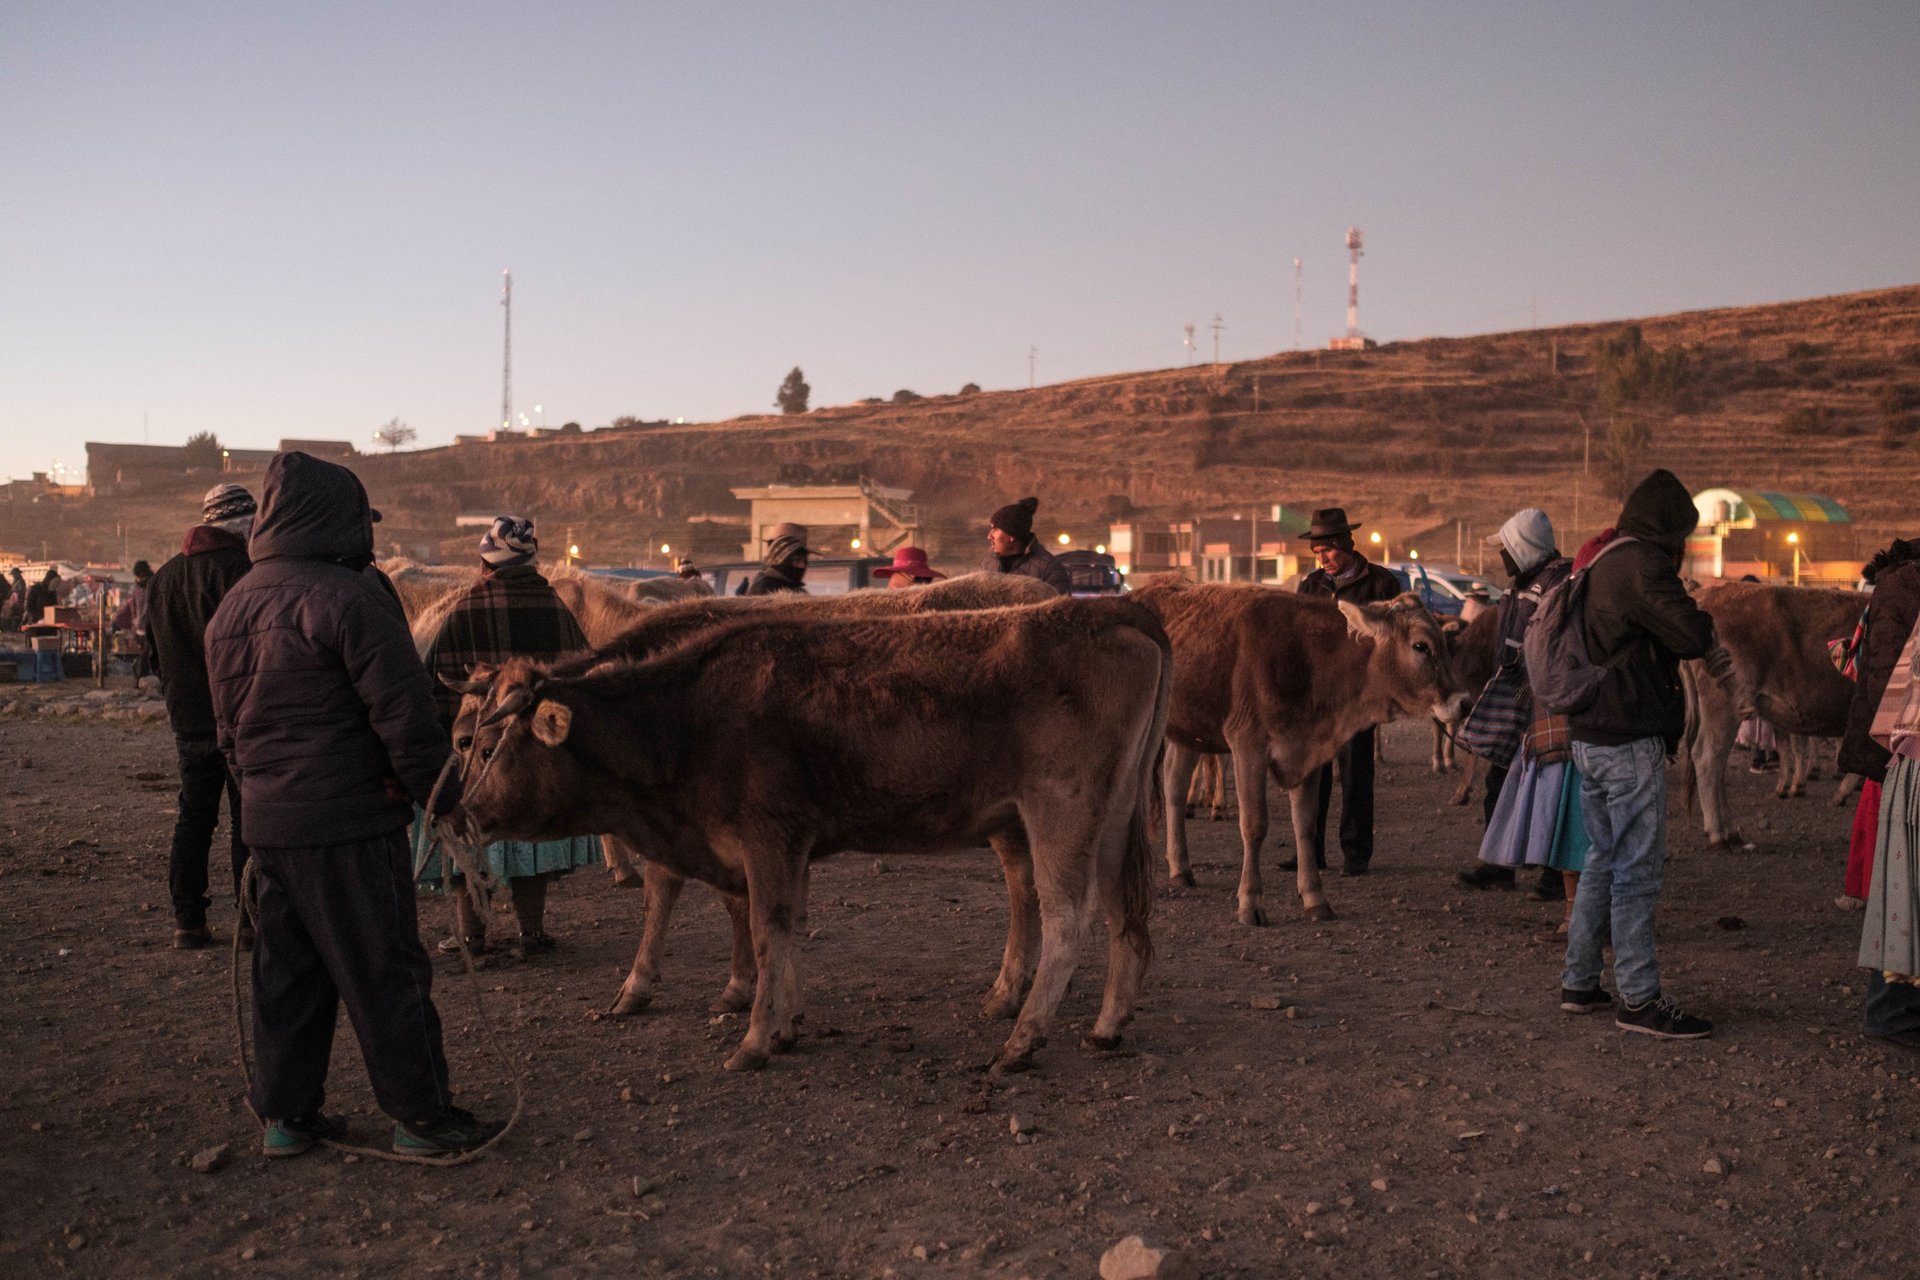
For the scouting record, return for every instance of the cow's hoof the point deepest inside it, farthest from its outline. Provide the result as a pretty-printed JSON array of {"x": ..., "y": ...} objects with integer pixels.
[
  {"x": 1000, "y": 1005},
  {"x": 1011, "y": 1063},
  {"x": 1320, "y": 913},
  {"x": 1252, "y": 915},
  {"x": 732, "y": 1000},
  {"x": 745, "y": 1059},
  {"x": 1105, "y": 1044},
  {"x": 1460, "y": 798},
  {"x": 628, "y": 1003},
  {"x": 783, "y": 1043},
  {"x": 1182, "y": 879},
  {"x": 1192, "y": 812}
]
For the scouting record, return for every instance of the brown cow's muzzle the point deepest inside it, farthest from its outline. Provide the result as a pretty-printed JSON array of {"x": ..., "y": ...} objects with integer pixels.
[{"x": 1451, "y": 709}]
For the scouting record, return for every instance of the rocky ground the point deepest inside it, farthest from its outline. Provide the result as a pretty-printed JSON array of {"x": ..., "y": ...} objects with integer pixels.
[{"x": 1394, "y": 1093}]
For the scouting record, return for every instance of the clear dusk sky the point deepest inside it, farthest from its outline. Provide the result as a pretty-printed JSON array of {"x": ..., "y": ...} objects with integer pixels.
[{"x": 279, "y": 219}]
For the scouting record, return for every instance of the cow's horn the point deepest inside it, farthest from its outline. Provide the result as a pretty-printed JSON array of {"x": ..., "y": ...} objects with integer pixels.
[
  {"x": 512, "y": 705},
  {"x": 467, "y": 686}
]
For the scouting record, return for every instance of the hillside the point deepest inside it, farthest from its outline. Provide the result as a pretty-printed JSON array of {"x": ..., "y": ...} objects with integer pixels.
[{"x": 1819, "y": 395}]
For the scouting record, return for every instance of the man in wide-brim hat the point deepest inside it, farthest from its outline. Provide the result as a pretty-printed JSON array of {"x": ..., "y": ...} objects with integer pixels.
[
  {"x": 909, "y": 569},
  {"x": 785, "y": 560},
  {"x": 1345, "y": 574}
]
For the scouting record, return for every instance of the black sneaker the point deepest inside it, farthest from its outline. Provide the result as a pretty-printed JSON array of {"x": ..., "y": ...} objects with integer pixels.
[
  {"x": 1572, "y": 1001},
  {"x": 1486, "y": 876},
  {"x": 1663, "y": 1018},
  {"x": 1551, "y": 888},
  {"x": 455, "y": 1132}
]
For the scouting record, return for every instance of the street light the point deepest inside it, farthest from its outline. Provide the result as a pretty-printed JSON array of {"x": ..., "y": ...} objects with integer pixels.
[
  {"x": 1413, "y": 555},
  {"x": 665, "y": 549},
  {"x": 1064, "y": 539},
  {"x": 856, "y": 544},
  {"x": 1793, "y": 541}
]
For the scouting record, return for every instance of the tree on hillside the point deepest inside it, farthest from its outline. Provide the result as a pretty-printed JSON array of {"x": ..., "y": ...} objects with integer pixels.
[
  {"x": 1627, "y": 370},
  {"x": 203, "y": 451},
  {"x": 971, "y": 389},
  {"x": 792, "y": 397},
  {"x": 393, "y": 433},
  {"x": 1624, "y": 453},
  {"x": 904, "y": 396}
]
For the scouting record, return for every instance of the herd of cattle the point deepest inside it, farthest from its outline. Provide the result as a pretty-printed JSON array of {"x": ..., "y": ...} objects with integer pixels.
[{"x": 733, "y": 741}]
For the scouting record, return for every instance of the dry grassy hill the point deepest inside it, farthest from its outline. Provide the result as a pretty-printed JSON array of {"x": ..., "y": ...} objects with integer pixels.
[{"x": 1821, "y": 395}]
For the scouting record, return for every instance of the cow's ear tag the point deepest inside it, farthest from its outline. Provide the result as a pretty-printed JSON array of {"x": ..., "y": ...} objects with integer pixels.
[{"x": 551, "y": 722}]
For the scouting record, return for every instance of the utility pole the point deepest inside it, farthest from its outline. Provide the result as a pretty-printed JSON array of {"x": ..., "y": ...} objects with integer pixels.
[
  {"x": 506, "y": 358},
  {"x": 1189, "y": 345},
  {"x": 1217, "y": 325},
  {"x": 1033, "y": 360},
  {"x": 1296, "y": 304}
]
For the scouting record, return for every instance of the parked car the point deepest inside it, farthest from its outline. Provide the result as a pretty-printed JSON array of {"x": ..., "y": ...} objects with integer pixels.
[
  {"x": 1441, "y": 587},
  {"x": 1093, "y": 573},
  {"x": 825, "y": 577}
]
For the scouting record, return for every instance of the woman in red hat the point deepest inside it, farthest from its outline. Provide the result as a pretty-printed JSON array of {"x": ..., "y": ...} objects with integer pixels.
[{"x": 909, "y": 569}]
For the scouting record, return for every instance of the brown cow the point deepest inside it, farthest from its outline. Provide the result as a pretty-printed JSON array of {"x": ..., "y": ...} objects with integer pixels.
[
  {"x": 1281, "y": 680},
  {"x": 751, "y": 749},
  {"x": 1472, "y": 649},
  {"x": 1781, "y": 671},
  {"x": 1209, "y": 788}
]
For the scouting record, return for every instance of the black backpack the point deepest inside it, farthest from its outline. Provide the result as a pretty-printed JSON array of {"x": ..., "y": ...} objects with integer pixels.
[{"x": 1563, "y": 676}]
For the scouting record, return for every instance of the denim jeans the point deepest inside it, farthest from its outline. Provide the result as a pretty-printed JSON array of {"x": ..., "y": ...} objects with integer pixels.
[{"x": 1623, "y": 795}]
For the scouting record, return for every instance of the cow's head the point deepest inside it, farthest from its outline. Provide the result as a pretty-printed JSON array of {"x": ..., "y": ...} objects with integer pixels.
[
  {"x": 1411, "y": 664},
  {"x": 521, "y": 780}
]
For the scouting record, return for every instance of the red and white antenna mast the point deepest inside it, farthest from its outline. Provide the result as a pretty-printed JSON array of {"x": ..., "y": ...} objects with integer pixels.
[{"x": 1353, "y": 282}]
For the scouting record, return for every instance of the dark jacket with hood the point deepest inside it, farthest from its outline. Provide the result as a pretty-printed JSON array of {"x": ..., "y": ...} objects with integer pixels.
[
  {"x": 1034, "y": 562},
  {"x": 180, "y": 602},
  {"x": 774, "y": 579},
  {"x": 324, "y": 709},
  {"x": 1893, "y": 611},
  {"x": 1640, "y": 617}
]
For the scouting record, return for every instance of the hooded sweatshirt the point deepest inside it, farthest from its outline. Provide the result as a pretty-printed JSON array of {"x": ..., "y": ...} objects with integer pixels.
[
  {"x": 323, "y": 707},
  {"x": 1639, "y": 617}
]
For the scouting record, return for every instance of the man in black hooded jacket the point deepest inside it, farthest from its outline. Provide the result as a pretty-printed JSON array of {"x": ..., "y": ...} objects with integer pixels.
[
  {"x": 327, "y": 717},
  {"x": 1638, "y": 622}
]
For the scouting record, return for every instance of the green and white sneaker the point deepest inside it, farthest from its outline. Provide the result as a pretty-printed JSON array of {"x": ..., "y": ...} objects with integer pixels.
[
  {"x": 452, "y": 1134},
  {"x": 301, "y": 1134}
]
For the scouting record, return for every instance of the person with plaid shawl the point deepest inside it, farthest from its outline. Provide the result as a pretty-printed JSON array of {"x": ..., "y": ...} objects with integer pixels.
[{"x": 512, "y": 612}]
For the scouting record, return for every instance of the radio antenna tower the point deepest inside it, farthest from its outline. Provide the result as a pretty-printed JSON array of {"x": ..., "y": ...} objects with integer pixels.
[
  {"x": 1353, "y": 282},
  {"x": 1217, "y": 325},
  {"x": 506, "y": 356},
  {"x": 1296, "y": 304}
]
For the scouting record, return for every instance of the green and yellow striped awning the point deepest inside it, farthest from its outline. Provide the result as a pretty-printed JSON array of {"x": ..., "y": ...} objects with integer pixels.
[{"x": 1807, "y": 508}]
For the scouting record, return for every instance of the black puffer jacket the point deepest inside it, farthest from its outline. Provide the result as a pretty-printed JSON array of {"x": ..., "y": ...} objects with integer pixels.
[
  {"x": 1891, "y": 616},
  {"x": 181, "y": 601},
  {"x": 1034, "y": 562},
  {"x": 323, "y": 706},
  {"x": 1638, "y": 612}
]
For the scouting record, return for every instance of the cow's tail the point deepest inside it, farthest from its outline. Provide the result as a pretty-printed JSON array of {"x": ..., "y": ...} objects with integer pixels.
[
  {"x": 1689, "y": 776},
  {"x": 1136, "y": 866}
]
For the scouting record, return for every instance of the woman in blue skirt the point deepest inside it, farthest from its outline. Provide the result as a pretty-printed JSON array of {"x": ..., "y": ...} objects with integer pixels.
[{"x": 512, "y": 612}]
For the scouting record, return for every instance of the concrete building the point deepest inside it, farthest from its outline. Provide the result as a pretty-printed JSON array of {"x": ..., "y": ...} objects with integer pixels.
[
  {"x": 1258, "y": 546},
  {"x": 1776, "y": 537},
  {"x": 834, "y": 514}
]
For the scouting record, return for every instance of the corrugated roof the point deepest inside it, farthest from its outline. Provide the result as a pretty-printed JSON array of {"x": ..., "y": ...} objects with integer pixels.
[{"x": 1810, "y": 508}]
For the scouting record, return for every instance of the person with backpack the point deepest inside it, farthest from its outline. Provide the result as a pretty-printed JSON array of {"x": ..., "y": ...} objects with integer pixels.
[{"x": 1633, "y": 622}]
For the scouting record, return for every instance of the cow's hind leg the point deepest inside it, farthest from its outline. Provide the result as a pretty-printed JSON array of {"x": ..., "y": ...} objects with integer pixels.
[
  {"x": 1126, "y": 892},
  {"x": 1023, "y": 927},
  {"x": 1304, "y": 800},
  {"x": 662, "y": 888},
  {"x": 772, "y": 880},
  {"x": 1250, "y": 781},
  {"x": 1066, "y": 847},
  {"x": 737, "y": 995},
  {"x": 1176, "y": 777}
]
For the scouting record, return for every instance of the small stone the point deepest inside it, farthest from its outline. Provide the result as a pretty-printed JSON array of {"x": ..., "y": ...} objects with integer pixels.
[
  {"x": 918, "y": 1253},
  {"x": 626, "y": 1095},
  {"x": 1019, "y": 1124},
  {"x": 585, "y": 1135},
  {"x": 212, "y": 1160},
  {"x": 528, "y": 1224},
  {"x": 1378, "y": 1184},
  {"x": 1313, "y": 1208},
  {"x": 249, "y": 1253},
  {"x": 76, "y": 1242},
  {"x": 1714, "y": 1166},
  {"x": 1575, "y": 1207},
  {"x": 1137, "y": 1258},
  {"x": 1265, "y": 1002}
]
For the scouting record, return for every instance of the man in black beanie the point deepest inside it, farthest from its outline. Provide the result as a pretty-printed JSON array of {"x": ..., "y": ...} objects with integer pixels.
[
  {"x": 1014, "y": 549},
  {"x": 1345, "y": 574}
]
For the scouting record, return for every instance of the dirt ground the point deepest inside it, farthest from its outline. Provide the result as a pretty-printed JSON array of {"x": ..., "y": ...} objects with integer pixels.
[{"x": 1416, "y": 1105}]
